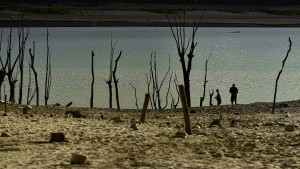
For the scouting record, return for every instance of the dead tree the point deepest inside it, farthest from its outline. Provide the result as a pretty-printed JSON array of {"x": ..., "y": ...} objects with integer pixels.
[
  {"x": 31, "y": 65},
  {"x": 205, "y": 81},
  {"x": 22, "y": 43},
  {"x": 110, "y": 77},
  {"x": 116, "y": 80},
  {"x": 135, "y": 95},
  {"x": 179, "y": 35},
  {"x": 48, "y": 71},
  {"x": 3, "y": 68},
  {"x": 12, "y": 79},
  {"x": 156, "y": 85},
  {"x": 175, "y": 102},
  {"x": 276, "y": 83},
  {"x": 93, "y": 80},
  {"x": 210, "y": 97}
]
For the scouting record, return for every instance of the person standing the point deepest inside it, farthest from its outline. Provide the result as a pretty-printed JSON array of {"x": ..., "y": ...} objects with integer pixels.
[
  {"x": 234, "y": 91},
  {"x": 218, "y": 97}
]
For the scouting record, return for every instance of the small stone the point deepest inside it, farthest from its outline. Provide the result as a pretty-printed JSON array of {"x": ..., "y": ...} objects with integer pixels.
[
  {"x": 4, "y": 114},
  {"x": 181, "y": 134},
  {"x": 215, "y": 122},
  {"x": 51, "y": 115},
  {"x": 57, "y": 137},
  {"x": 77, "y": 158},
  {"x": 133, "y": 125},
  {"x": 74, "y": 114},
  {"x": 5, "y": 134},
  {"x": 289, "y": 128},
  {"x": 287, "y": 115}
]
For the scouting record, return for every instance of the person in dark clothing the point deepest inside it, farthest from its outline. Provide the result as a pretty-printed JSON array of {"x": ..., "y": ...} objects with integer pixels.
[
  {"x": 234, "y": 91},
  {"x": 218, "y": 97}
]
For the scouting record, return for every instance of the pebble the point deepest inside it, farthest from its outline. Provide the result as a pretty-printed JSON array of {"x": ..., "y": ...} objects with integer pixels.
[
  {"x": 181, "y": 134},
  {"x": 77, "y": 158},
  {"x": 5, "y": 134},
  {"x": 133, "y": 125},
  {"x": 289, "y": 128}
]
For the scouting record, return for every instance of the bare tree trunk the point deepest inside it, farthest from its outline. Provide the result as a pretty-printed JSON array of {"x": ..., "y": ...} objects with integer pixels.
[
  {"x": 136, "y": 104},
  {"x": 205, "y": 81},
  {"x": 283, "y": 63},
  {"x": 175, "y": 102},
  {"x": 109, "y": 81},
  {"x": 11, "y": 66},
  {"x": 116, "y": 81},
  {"x": 156, "y": 86},
  {"x": 31, "y": 64},
  {"x": 3, "y": 68},
  {"x": 48, "y": 72},
  {"x": 210, "y": 97},
  {"x": 93, "y": 80}
]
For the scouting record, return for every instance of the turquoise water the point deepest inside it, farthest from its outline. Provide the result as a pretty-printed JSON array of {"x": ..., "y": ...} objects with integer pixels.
[{"x": 251, "y": 59}]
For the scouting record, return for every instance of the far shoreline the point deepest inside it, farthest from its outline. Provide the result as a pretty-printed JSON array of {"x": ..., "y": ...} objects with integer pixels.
[
  {"x": 117, "y": 18},
  {"x": 44, "y": 23}
]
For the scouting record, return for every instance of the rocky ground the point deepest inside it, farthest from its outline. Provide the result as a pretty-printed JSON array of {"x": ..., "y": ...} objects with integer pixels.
[{"x": 240, "y": 136}]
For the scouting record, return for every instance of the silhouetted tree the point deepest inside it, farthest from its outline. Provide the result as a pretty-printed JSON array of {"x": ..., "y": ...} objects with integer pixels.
[
  {"x": 48, "y": 71},
  {"x": 12, "y": 79},
  {"x": 205, "y": 81},
  {"x": 116, "y": 81},
  {"x": 93, "y": 80},
  {"x": 179, "y": 35},
  {"x": 276, "y": 83},
  {"x": 31, "y": 65}
]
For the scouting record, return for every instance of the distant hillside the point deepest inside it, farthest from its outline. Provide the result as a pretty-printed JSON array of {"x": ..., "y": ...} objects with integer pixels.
[{"x": 210, "y": 2}]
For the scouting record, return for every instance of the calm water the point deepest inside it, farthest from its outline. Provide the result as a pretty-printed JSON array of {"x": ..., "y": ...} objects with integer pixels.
[{"x": 251, "y": 59}]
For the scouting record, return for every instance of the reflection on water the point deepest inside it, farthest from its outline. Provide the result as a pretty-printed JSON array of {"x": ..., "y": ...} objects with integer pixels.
[{"x": 251, "y": 59}]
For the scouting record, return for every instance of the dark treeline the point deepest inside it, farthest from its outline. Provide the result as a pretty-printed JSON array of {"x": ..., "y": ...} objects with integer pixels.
[{"x": 209, "y": 2}]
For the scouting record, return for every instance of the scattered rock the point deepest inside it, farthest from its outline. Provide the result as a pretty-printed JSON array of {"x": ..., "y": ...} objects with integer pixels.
[
  {"x": 217, "y": 154},
  {"x": 181, "y": 134},
  {"x": 5, "y": 134},
  {"x": 268, "y": 124},
  {"x": 26, "y": 109},
  {"x": 77, "y": 158},
  {"x": 192, "y": 111},
  {"x": 74, "y": 114},
  {"x": 233, "y": 123},
  {"x": 133, "y": 125},
  {"x": 196, "y": 130},
  {"x": 118, "y": 119},
  {"x": 289, "y": 128},
  {"x": 287, "y": 115},
  {"x": 58, "y": 137}
]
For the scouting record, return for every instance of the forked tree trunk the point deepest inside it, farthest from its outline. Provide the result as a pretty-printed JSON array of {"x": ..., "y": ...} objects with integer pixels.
[{"x": 116, "y": 81}]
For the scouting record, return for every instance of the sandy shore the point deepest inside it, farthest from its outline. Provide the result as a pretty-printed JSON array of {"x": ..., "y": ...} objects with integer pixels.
[
  {"x": 143, "y": 18},
  {"x": 247, "y": 136}
]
